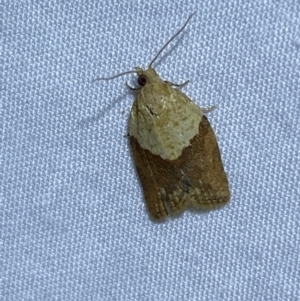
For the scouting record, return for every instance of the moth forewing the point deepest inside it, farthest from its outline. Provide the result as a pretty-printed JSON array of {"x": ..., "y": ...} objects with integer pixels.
[{"x": 175, "y": 152}]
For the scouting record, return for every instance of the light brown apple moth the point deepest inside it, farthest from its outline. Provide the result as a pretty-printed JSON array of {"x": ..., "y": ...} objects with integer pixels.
[{"x": 174, "y": 147}]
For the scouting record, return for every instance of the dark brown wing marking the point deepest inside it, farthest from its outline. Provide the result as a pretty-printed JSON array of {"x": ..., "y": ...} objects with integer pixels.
[{"x": 195, "y": 179}]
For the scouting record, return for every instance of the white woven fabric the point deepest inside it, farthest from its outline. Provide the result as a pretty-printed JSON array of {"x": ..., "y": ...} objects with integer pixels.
[{"x": 74, "y": 223}]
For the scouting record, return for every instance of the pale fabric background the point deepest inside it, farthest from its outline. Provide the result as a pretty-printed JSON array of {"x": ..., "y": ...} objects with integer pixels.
[{"x": 73, "y": 220}]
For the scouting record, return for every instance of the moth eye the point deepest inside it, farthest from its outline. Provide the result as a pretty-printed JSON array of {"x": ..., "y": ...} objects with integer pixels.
[{"x": 142, "y": 80}]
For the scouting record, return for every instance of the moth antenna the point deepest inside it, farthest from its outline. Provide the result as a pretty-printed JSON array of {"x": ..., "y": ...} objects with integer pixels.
[
  {"x": 115, "y": 76},
  {"x": 172, "y": 38}
]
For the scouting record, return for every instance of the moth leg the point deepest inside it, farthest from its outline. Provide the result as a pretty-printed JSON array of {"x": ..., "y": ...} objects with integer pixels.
[
  {"x": 208, "y": 109},
  {"x": 132, "y": 88},
  {"x": 177, "y": 85}
]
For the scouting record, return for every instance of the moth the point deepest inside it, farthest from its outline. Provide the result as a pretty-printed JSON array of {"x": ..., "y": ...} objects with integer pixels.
[{"x": 174, "y": 147}]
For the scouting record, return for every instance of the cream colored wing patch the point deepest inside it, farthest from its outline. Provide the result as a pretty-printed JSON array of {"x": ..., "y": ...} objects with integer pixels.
[{"x": 164, "y": 120}]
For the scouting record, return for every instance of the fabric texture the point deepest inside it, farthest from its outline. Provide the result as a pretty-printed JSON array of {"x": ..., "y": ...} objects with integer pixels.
[{"x": 73, "y": 220}]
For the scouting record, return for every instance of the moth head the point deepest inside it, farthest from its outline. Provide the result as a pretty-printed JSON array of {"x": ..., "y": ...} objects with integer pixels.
[{"x": 148, "y": 76}]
